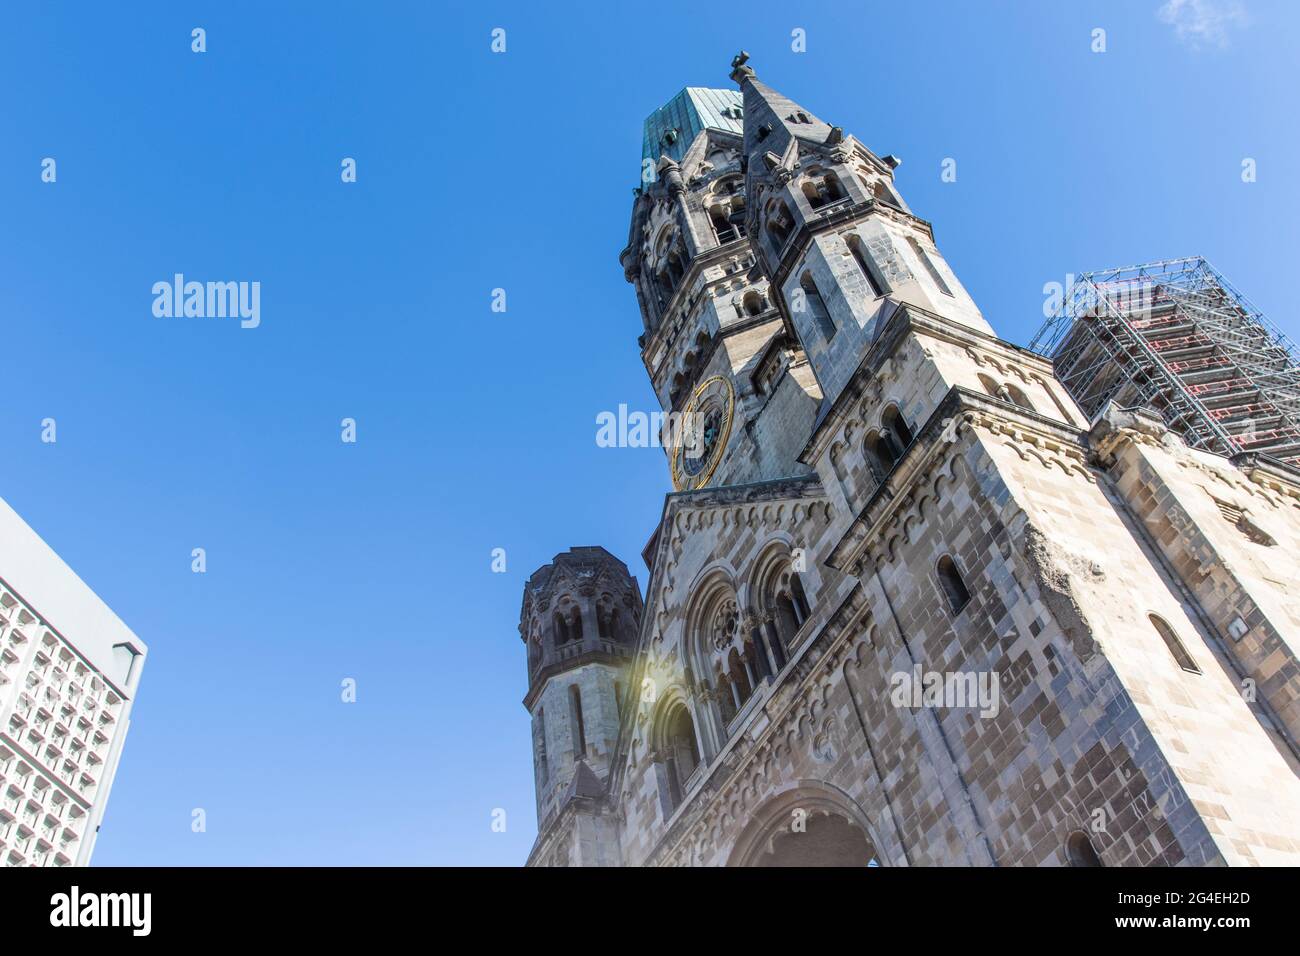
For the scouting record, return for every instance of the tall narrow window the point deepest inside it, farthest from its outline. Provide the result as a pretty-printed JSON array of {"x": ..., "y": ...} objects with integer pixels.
[
  {"x": 676, "y": 270},
  {"x": 779, "y": 226},
  {"x": 954, "y": 588},
  {"x": 832, "y": 189},
  {"x": 1175, "y": 645},
  {"x": 816, "y": 306},
  {"x": 929, "y": 266},
  {"x": 880, "y": 455},
  {"x": 575, "y": 716},
  {"x": 543, "y": 765},
  {"x": 681, "y": 752},
  {"x": 727, "y": 696},
  {"x": 727, "y": 225},
  {"x": 798, "y": 599},
  {"x": 868, "y": 267},
  {"x": 756, "y": 661},
  {"x": 739, "y": 679},
  {"x": 896, "y": 430}
]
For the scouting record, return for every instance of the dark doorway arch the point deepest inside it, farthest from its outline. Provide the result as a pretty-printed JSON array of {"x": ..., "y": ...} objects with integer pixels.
[
  {"x": 814, "y": 824},
  {"x": 826, "y": 840}
]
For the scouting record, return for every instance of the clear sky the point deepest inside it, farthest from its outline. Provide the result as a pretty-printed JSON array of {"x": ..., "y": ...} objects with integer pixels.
[{"x": 476, "y": 430}]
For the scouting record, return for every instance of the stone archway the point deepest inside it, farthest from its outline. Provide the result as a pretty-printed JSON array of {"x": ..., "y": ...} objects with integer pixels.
[
  {"x": 812, "y": 825},
  {"x": 827, "y": 840}
]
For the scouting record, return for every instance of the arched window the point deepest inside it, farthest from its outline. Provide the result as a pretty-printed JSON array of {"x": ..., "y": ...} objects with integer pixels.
[
  {"x": 954, "y": 588},
  {"x": 880, "y": 455},
  {"x": 1080, "y": 851},
  {"x": 779, "y": 226},
  {"x": 753, "y": 303},
  {"x": 822, "y": 191},
  {"x": 607, "y": 618},
  {"x": 781, "y": 606},
  {"x": 742, "y": 681},
  {"x": 714, "y": 647},
  {"x": 1017, "y": 397},
  {"x": 726, "y": 208},
  {"x": 1011, "y": 394},
  {"x": 886, "y": 446},
  {"x": 722, "y": 230},
  {"x": 896, "y": 430},
  {"x": 832, "y": 188},
  {"x": 676, "y": 269},
  {"x": 575, "y": 721},
  {"x": 567, "y": 626},
  {"x": 680, "y": 752},
  {"x": 814, "y": 304},
  {"x": 1175, "y": 645},
  {"x": 874, "y": 281}
]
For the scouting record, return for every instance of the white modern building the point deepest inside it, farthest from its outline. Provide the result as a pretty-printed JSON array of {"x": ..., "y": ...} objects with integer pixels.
[{"x": 69, "y": 669}]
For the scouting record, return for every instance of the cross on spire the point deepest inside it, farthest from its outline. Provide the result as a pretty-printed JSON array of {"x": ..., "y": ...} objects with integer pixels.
[{"x": 739, "y": 70}]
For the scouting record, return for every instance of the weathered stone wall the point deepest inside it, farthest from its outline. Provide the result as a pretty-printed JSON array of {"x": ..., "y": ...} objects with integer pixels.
[
  {"x": 1242, "y": 570},
  {"x": 1193, "y": 732}
]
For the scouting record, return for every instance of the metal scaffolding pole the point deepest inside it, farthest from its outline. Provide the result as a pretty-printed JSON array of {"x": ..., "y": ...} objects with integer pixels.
[{"x": 1176, "y": 337}]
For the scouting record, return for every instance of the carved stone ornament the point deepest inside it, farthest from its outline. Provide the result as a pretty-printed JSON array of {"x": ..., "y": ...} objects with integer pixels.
[{"x": 723, "y": 625}]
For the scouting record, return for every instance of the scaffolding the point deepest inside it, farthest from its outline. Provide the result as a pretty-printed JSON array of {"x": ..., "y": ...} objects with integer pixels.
[{"x": 1176, "y": 337}]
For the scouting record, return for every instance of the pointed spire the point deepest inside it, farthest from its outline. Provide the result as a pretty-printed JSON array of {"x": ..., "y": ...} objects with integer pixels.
[
  {"x": 772, "y": 120},
  {"x": 585, "y": 783}
]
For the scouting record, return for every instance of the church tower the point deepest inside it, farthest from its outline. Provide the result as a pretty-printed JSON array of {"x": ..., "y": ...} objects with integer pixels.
[
  {"x": 842, "y": 248},
  {"x": 579, "y": 623},
  {"x": 714, "y": 343},
  {"x": 905, "y": 591}
]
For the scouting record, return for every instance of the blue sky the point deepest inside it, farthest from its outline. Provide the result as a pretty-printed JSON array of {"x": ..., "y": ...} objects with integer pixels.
[{"x": 476, "y": 429}]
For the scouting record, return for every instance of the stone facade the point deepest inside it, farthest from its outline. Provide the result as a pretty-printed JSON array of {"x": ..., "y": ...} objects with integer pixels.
[{"x": 910, "y": 607}]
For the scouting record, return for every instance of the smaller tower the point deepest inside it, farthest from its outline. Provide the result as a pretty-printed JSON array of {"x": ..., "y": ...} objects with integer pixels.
[{"x": 579, "y": 621}]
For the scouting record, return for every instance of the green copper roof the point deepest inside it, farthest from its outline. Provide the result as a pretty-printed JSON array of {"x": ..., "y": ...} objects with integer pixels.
[{"x": 670, "y": 130}]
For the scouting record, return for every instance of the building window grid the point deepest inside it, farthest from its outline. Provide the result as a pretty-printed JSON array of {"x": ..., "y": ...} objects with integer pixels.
[{"x": 62, "y": 713}]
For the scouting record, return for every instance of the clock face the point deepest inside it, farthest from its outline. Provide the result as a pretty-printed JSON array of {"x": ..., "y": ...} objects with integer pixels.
[{"x": 706, "y": 426}]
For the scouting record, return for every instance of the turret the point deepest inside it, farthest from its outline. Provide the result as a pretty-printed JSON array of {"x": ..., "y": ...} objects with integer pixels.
[{"x": 579, "y": 621}]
